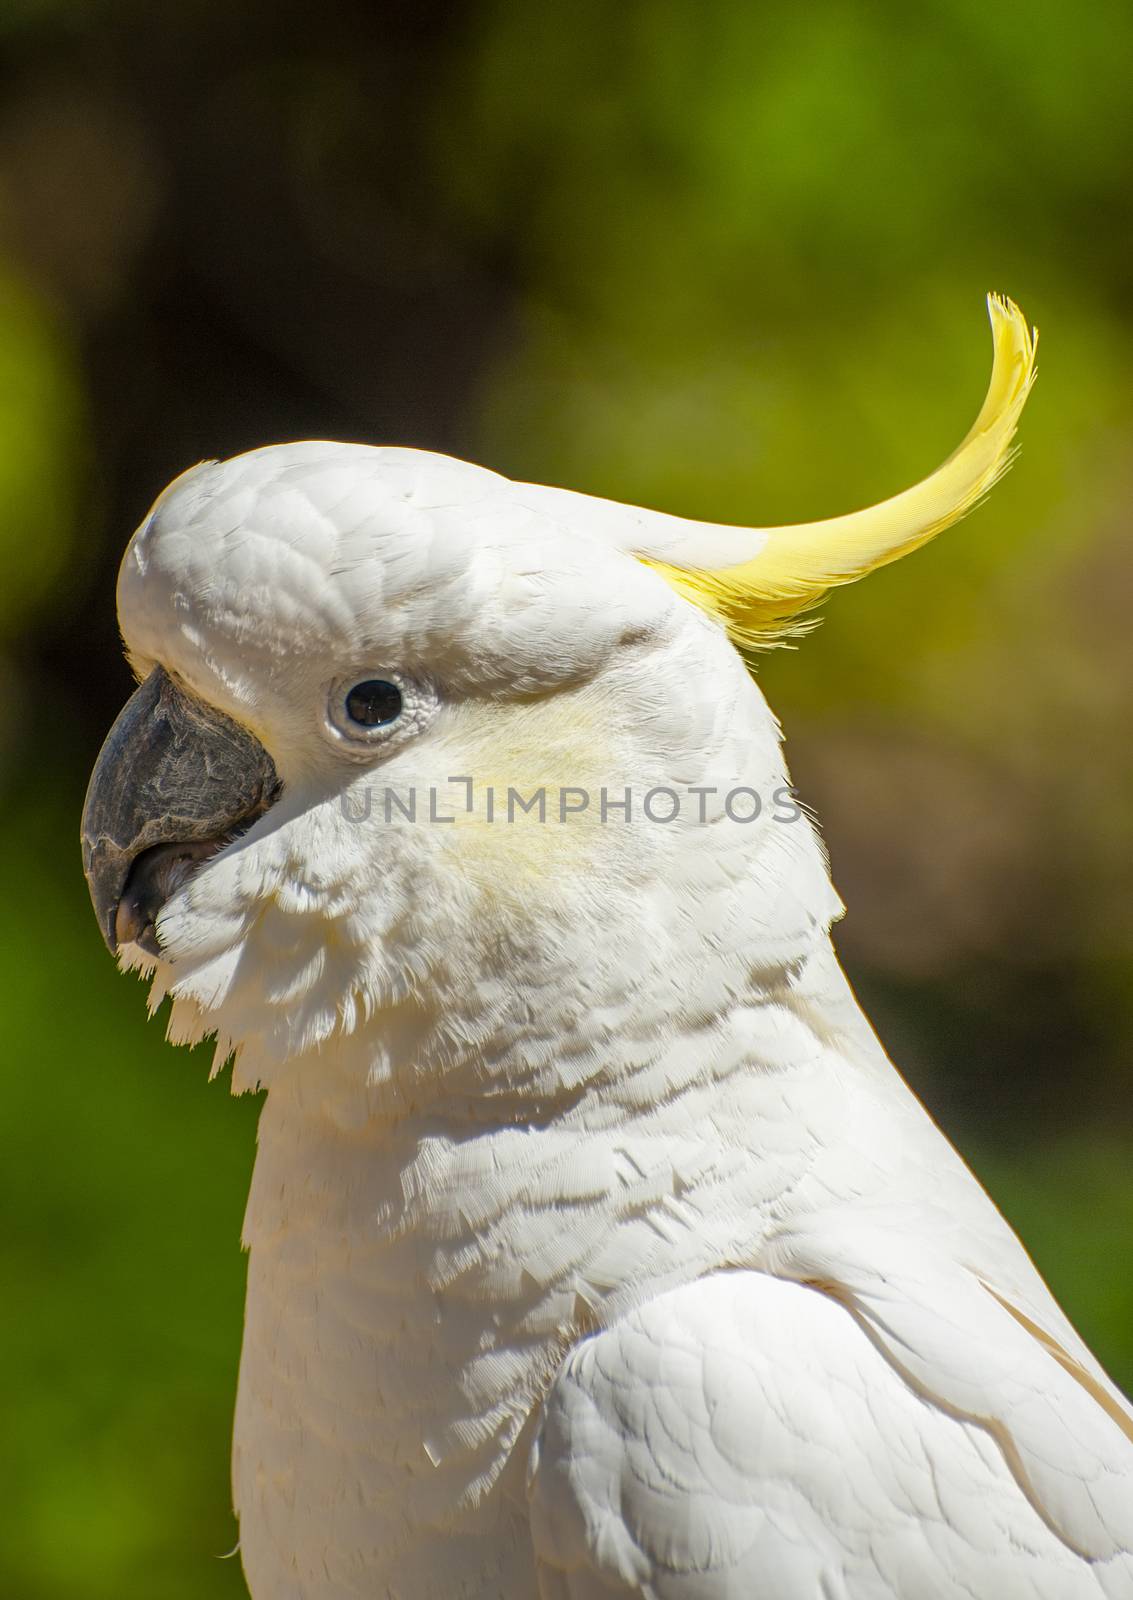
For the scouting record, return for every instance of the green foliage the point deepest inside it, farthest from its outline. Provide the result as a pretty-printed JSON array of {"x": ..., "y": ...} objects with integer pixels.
[
  {"x": 122, "y": 1178},
  {"x": 1071, "y": 1198},
  {"x": 40, "y": 453},
  {"x": 754, "y": 250}
]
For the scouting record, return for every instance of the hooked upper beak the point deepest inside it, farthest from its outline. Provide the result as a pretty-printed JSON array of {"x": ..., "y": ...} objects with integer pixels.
[{"x": 175, "y": 781}]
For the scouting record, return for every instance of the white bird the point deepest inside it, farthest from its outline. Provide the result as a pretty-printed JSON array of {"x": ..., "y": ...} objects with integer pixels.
[{"x": 596, "y": 1248}]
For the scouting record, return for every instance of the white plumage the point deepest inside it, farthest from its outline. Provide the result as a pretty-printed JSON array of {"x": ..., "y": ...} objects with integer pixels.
[{"x": 596, "y": 1248}]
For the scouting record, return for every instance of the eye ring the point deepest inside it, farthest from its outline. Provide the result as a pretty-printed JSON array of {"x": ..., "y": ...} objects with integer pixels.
[{"x": 373, "y": 705}]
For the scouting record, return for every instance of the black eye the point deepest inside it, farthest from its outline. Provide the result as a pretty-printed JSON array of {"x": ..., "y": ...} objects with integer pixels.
[{"x": 374, "y": 703}]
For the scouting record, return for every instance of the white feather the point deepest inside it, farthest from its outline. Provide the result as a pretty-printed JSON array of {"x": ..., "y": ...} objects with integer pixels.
[{"x": 593, "y": 1090}]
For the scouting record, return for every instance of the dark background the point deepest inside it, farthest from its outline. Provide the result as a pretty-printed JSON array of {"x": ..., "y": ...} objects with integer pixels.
[{"x": 722, "y": 258}]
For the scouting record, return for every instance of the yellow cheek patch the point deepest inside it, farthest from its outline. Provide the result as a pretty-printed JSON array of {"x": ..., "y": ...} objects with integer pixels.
[
  {"x": 528, "y": 800},
  {"x": 758, "y": 600}
]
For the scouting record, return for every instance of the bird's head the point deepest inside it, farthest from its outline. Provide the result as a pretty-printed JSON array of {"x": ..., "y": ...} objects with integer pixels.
[{"x": 408, "y": 736}]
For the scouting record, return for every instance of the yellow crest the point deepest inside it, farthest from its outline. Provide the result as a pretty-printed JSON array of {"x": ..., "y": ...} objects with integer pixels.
[{"x": 796, "y": 565}]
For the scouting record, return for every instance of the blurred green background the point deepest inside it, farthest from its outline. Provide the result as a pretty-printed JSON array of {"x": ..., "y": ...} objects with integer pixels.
[{"x": 725, "y": 258}]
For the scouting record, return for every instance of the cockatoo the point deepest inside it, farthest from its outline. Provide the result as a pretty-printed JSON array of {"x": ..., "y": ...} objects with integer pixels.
[{"x": 597, "y": 1250}]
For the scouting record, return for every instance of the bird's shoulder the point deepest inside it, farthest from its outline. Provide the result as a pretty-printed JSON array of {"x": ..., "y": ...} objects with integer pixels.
[{"x": 747, "y": 1434}]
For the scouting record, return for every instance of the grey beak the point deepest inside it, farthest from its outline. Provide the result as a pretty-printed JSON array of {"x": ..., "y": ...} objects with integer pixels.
[{"x": 174, "y": 782}]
